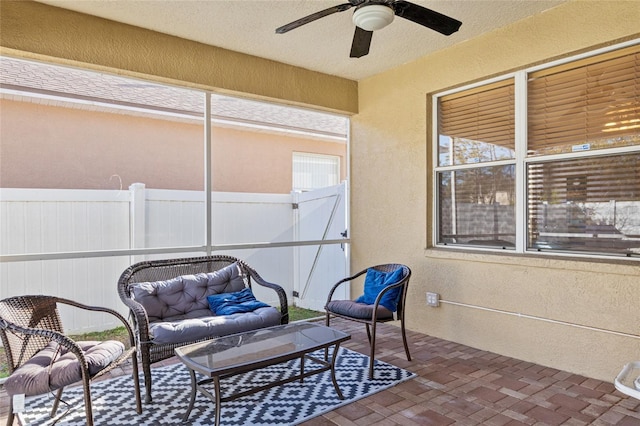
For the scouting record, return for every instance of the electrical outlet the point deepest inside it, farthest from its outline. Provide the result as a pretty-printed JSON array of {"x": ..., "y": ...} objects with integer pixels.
[{"x": 433, "y": 299}]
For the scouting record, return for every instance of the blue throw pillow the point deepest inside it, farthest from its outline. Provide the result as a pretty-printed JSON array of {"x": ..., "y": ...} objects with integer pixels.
[
  {"x": 375, "y": 281},
  {"x": 233, "y": 303}
]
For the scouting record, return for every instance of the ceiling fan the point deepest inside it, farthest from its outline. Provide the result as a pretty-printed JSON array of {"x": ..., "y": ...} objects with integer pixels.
[{"x": 371, "y": 15}]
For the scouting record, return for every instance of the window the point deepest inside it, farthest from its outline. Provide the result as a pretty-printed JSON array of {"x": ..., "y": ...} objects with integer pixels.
[
  {"x": 585, "y": 204},
  {"x": 313, "y": 171},
  {"x": 544, "y": 160},
  {"x": 476, "y": 173}
]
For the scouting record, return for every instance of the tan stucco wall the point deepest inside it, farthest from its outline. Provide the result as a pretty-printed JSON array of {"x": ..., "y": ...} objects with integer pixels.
[
  {"x": 262, "y": 162},
  {"x": 45, "y": 146},
  {"x": 39, "y": 31},
  {"x": 391, "y": 191},
  {"x": 53, "y": 147}
]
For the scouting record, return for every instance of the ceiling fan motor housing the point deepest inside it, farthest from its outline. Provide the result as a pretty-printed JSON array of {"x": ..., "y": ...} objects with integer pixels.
[{"x": 372, "y": 17}]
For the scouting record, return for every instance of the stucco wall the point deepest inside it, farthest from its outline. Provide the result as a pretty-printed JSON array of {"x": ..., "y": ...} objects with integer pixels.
[
  {"x": 44, "y": 146},
  {"x": 391, "y": 191},
  {"x": 262, "y": 162}
]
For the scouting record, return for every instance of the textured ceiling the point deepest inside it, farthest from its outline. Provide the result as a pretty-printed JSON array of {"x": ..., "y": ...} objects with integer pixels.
[{"x": 248, "y": 26}]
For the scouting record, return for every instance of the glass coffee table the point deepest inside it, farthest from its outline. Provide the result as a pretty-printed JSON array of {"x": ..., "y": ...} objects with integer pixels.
[{"x": 240, "y": 353}]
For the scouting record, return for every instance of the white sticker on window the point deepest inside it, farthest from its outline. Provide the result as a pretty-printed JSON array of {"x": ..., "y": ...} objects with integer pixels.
[{"x": 582, "y": 147}]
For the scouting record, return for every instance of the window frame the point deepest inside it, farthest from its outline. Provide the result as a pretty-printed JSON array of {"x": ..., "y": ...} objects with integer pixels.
[{"x": 521, "y": 160}]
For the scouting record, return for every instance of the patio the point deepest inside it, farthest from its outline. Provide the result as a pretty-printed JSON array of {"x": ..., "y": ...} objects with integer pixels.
[{"x": 457, "y": 384}]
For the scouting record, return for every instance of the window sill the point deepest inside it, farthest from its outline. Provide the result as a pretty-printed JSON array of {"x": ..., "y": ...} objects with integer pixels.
[{"x": 536, "y": 260}]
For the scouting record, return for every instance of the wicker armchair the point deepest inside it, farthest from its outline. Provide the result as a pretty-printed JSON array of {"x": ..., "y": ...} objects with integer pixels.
[
  {"x": 160, "y": 270},
  {"x": 37, "y": 349},
  {"x": 371, "y": 314}
]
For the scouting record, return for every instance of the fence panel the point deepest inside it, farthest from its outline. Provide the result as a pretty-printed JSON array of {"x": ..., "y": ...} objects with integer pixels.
[
  {"x": 54, "y": 220},
  {"x": 174, "y": 218},
  {"x": 49, "y": 221},
  {"x": 257, "y": 218}
]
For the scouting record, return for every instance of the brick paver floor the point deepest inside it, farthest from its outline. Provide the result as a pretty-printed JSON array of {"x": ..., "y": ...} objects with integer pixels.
[{"x": 460, "y": 385}]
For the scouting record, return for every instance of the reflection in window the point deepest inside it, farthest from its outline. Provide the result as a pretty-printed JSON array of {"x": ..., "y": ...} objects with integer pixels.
[
  {"x": 593, "y": 104},
  {"x": 464, "y": 151},
  {"x": 587, "y": 205},
  {"x": 477, "y": 206}
]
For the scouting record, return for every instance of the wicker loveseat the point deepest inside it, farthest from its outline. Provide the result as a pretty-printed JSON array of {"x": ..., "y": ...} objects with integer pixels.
[{"x": 169, "y": 307}]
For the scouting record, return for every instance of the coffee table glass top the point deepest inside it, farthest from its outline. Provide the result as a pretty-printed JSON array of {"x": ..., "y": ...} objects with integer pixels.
[{"x": 230, "y": 352}]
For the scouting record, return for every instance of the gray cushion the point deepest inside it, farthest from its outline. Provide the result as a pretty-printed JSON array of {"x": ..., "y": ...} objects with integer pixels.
[
  {"x": 187, "y": 293},
  {"x": 40, "y": 375},
  {"x": 357, "y": 310},
  {"x": 203, "y": 324}
]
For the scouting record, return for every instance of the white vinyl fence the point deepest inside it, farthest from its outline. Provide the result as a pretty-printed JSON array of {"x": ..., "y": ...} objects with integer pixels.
[{"x": 36, "y": 221}]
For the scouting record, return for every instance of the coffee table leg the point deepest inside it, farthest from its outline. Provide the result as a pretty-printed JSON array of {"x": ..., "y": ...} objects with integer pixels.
[
  {"x": 193, "y": 395},
  {"x": 301, "y": 368},
  {"x": 333, "y": 371},
  {"x": 216, "y": 384}
]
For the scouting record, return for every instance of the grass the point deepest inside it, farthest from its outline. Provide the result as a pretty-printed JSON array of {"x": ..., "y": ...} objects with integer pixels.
[
  {"x": 120, "y": 334},
  {"x": 297, "y": 314}
]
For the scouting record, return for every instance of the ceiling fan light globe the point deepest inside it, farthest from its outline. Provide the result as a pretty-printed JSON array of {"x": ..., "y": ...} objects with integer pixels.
[{"x": 373, "y": 17}]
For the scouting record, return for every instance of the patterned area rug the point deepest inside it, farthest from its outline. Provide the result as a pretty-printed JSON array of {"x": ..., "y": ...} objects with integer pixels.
[{"x": 289, "y": 404}]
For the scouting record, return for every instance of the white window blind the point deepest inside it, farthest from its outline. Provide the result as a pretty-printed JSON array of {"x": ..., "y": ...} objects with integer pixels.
[
  {"x": 585, "y": 105},
  {"x": 477, "y": 125},
  {"x": 313, "y": 171}
]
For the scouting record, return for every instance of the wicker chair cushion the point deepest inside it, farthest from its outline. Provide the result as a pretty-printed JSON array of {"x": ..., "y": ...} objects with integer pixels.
[
  {"x": 198, "y": 325},
  {"x": 40, "y": 375},
  {"x": 353, "y": 309},
  {"x": 233, "y": 303},
  {"x": 375, "y": 281},
  {"x": 186, "y": 293}
]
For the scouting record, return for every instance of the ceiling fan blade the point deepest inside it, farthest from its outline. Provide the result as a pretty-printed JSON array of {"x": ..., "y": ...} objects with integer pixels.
[
  {"x": 361, "y": 43},
  {"x": 426, "y": 17},
  {"x": 321, "y": 14}
]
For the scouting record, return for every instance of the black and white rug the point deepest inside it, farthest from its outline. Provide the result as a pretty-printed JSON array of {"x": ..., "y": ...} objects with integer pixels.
[{"x": 289, "y": 404}]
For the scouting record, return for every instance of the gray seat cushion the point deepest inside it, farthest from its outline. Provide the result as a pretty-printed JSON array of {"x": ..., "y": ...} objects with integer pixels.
[
  {"x": 202, "y": 324},
  {"x": 55, "y": 367},
  {"x": 353, "y": 309}
]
